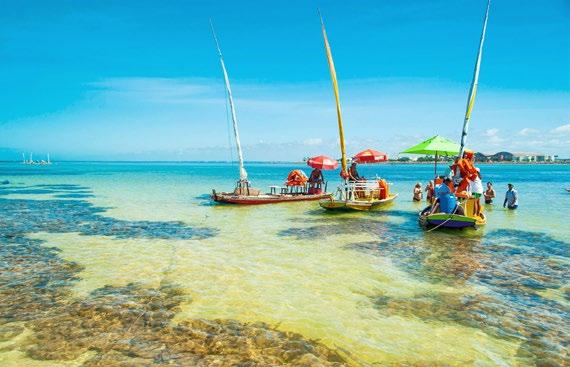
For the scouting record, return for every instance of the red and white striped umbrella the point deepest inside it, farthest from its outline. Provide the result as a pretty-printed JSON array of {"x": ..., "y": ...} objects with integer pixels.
[
  {"x": 322, "y": 162},
  {"x": 370, "y": 156}
]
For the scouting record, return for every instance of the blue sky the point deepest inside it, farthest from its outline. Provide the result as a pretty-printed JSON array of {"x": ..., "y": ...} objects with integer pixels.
[{"x": 141, "y": 80}]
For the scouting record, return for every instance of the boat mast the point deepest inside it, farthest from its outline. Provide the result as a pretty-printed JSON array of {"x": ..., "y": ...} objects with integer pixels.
[
  {"x": 337, "y": 98},
  {"x": 242, "y": 171},
  {"x": 473, "y": 89}
]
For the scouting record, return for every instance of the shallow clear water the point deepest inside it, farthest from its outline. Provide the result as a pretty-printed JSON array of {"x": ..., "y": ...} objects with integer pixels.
[{"x": 85, "y": 241}]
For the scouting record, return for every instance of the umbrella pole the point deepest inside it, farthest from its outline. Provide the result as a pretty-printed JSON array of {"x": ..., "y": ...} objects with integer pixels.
[{"x": 435, "y": 166}]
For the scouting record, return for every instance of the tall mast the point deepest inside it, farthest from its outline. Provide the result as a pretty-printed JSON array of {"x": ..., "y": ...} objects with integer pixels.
[
  {"x": 336, "y": 96},
  {"x": 242, "y": 171},
  {"x": 473, "y": 89}
]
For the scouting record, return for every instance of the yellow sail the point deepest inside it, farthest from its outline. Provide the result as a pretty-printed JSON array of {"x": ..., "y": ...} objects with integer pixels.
[{"x": 337, "y": 98}]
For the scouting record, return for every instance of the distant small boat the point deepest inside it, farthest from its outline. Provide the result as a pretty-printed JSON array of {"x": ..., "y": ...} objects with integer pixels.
[
  {"x": 244, "y": 193},
  {"x": 568, "y": 190},
  {"x": 32, "y": 162}
]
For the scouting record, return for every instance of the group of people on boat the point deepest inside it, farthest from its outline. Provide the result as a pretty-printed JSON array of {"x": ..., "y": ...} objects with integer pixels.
[
  {"x": 461, "y": 182},
  {"x": 316, "y": 178}
]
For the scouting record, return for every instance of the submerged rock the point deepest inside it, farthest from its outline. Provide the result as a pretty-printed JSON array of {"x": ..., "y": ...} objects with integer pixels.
[{"x": 132, "y": 326}]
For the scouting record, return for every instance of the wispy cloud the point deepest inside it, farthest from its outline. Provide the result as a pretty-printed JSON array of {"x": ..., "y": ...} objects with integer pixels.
[
  {"x": 187, "y": 119},
  {"x": 527, "y": 131},
  {"x": 562, "y": 130}
]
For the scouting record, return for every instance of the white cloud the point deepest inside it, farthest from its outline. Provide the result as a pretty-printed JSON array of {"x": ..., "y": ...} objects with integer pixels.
[
  {"x": 563, "y": 129},
  {"x": 491, "y": 132},
  {"x": 492, "y": 137},
  {"x": 313, "y": 141},
  {"x": 527, "y": 131}
]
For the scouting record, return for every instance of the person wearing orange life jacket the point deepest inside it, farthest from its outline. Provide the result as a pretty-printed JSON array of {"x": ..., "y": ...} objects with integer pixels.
[{"x": 465, "y": 170}]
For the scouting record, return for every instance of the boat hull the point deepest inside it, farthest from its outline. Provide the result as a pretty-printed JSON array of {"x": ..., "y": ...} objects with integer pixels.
[
  {"x": 455, "y": 221},
  {"x": 355, "y": 205},
  {"x": 230, "y": 198}
]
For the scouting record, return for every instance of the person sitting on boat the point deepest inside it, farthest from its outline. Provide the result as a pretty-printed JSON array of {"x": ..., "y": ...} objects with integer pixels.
[
  {"x": 316, "y": 180},
  {"x": 511, "y": 198},
  {"x": 430, "y": 192},
  {"x": 353, "y": 173},
  {"x": 489, "y": 193},
  {"x": 418, "y": 192},
  {"x": 446, "y": 202}
]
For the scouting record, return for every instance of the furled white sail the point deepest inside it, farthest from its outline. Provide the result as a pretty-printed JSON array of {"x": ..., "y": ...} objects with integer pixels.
[
  {"x": 242, "y": 171},
  {"x": 473, "y": 90}
]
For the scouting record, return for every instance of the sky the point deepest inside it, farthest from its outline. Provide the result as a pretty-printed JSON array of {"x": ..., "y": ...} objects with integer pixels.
[{"x": 126, "y": 80}]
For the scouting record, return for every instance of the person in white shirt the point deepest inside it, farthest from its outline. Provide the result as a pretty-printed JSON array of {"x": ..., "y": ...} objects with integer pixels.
[
  {"x": 476, "y": 191},
  {"x": 511, "y": 198}
]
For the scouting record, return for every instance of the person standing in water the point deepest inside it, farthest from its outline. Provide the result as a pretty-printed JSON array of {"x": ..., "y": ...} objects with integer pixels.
[
  {"x": 476, "y": 190},
  {"x": 418, "y": 192},
  {"x": 511, "y": 198},
  {"x": 430, "y": 192},
  {"x": 489, "y": 193}
]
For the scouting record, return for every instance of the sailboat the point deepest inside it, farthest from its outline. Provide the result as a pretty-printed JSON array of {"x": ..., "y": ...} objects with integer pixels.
[
  {"x": 243, "y": 192},
  {"x": 360, "y": 195},
  {"x": 470, "y": 219}
]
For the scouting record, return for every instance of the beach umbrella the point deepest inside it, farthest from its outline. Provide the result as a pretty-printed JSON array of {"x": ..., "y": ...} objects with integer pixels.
[
  {"x": 322, "y": 162},
  {"x": 370, "y": 156},
  {"x": 437, "y": 145}
]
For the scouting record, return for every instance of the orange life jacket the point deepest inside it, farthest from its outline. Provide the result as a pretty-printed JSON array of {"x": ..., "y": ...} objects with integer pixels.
[
  {"x": 296, "y": 178},
  {"x": 384, "y": 189}
]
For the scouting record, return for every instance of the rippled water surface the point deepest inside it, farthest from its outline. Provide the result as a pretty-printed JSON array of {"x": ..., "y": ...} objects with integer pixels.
[{"x": 130, "y": 264}]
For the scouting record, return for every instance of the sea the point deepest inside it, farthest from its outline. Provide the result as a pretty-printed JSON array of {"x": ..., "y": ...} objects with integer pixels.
[{"x": 132, "y": 264}]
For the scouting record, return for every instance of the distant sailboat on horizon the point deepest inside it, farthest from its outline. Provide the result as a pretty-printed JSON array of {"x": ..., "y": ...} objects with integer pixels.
[{"x": 31, "y": 161}]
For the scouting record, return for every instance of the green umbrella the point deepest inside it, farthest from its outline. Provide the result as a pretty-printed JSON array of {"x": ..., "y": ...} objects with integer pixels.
[{"x": 436, "y": 145}]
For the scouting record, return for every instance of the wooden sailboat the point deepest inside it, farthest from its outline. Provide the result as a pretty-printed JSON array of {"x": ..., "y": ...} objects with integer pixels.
[
  {"x": 360, "y": 195},
  {"x": 470, "y": 219},
  {"x": 244, "y": 193}
]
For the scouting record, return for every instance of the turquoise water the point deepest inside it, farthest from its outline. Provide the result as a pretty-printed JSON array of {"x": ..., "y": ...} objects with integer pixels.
[{"x": 131, "y": 264}]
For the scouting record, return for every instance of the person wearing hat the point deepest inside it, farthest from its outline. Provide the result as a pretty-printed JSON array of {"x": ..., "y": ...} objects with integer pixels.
[{"x": 511, "y": 198}]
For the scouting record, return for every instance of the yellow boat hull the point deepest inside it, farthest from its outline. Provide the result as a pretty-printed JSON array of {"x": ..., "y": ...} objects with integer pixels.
[{"x": 357, "y": 205}]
